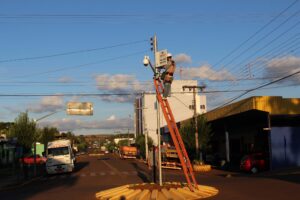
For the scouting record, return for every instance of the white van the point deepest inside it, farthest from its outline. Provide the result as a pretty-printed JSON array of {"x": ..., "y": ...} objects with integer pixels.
[{"x": 60, "y": 157}]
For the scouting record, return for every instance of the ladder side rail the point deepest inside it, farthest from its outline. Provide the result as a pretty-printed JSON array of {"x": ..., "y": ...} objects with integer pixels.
[
  {"x": 178, "y": 136},
  {"x": 182, "y": 145},
  {"x": 174, "y": 138}
]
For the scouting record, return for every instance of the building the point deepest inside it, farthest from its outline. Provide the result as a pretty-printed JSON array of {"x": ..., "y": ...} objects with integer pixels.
[
  {"x": 181, "y": 102},
  {"x": 260, "y": 124}
]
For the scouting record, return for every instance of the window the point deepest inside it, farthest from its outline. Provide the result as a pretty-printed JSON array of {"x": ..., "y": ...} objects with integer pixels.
[
  {"x": 202, "y": 107},
  {"x": 191, "y": 107},
  {"x": 58, "y": 151}
]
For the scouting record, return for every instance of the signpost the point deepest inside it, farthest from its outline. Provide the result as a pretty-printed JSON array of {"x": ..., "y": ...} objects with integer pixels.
[{"x": 80, "y": 108}]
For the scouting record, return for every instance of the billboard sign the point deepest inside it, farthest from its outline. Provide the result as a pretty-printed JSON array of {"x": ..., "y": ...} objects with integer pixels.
[{"x": 80, "y": 108}]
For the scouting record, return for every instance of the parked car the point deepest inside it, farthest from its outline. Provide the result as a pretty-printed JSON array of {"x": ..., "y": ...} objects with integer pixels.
[
  {"x": 253, "y": 163},
  {"x": 29, "y": 160}
]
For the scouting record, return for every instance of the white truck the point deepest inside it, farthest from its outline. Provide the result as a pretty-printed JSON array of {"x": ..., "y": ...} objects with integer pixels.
[{"x": 60, "y": 157}]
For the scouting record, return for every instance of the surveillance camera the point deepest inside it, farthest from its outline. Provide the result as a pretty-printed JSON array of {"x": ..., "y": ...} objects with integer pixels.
[{"x": 146, "y": 61}]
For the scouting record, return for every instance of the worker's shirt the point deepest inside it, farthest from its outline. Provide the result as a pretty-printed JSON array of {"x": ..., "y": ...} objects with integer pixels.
[{"x": 169, "y": 70}]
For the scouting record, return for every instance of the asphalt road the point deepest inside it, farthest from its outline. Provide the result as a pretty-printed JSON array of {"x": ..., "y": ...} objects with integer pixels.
[{"x": 96, "y": 173}]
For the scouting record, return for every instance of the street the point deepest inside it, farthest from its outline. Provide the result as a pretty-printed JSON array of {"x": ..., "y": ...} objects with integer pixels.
[{"x": 96, "y": 173}]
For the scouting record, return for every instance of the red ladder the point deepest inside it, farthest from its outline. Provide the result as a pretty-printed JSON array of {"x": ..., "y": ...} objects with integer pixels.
[{"x": 177, "y": 140}]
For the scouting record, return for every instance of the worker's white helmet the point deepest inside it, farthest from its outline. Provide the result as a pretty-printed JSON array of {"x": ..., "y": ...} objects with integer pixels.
[{"x": 169, "y": 55}]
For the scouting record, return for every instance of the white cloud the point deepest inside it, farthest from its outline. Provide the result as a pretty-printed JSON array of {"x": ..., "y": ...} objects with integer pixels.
[
  {"x": 120, "y": 84},
  {"x": 206, "y": 72},
  {"x": 74, "y": 124},
  {"x": 111, "y": 118},
  {"x": 279, "y": 67},
  {"x": 182, "y": 58},
  {"x": 47, "y": 104},
  {"x": 65, "y": 79}
]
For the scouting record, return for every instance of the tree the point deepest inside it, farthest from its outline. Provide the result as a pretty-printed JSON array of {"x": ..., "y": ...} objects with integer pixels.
[
  {"x": 81, "y": 143},
  {"x": 24, "y": 130},
  {"x": 187, "y": 132},
  {"x": 47, "y": 134},
  {"x": 140, "y": 143},
  {"x": 125, "y": 142},
  {"x": 111, "y": 146}
]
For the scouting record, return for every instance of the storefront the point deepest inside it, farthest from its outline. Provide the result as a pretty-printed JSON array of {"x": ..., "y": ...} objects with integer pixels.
[{"x": 267, "y": 125}]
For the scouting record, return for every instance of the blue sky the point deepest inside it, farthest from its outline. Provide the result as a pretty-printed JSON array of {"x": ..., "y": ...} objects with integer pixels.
[{"x": 198, "y": 33}]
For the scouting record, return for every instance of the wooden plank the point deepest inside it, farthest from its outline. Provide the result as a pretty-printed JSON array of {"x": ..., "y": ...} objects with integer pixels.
[
  {"x": 143, "y": 195},
  {"x": 154, "y": 195}
]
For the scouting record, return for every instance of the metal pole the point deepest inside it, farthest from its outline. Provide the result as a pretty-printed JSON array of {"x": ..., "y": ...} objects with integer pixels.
[
  {"x": 269, "y": 141},
  {"x": 196, "y": 123},
  {"x": 34, "y": 159},
  {"x": 154, "y": 164},
  {"x": 227, "y": 146},
  {"x": 158, "y": 117}
]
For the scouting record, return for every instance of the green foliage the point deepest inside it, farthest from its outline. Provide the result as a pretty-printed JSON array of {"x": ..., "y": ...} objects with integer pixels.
[
  {"x": 47, "y": 134},
  {"x": 81, "y": 143},
  {"x": 5, "y": 125},
  {"x": 111, "y": 146},
  {"x": 188, "y": 135},
  {"x": 24, "y": 130},
  {"x": 140, "y": 143},
  {"x": 123, "y": 143}
]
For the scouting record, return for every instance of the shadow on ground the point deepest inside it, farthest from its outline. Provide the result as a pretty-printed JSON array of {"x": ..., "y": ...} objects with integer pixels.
[
  {"x": 38, "y": 185},
  {"x": 142, "y": 174}
]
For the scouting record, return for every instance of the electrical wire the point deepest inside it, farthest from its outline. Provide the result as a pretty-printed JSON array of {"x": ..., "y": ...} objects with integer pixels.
[
  {"x": 269, "y": 43},
  {"x": 259, "y": 87},
  {"x": 82, "y": 65},
  {"x": 264, "y": 37},
  {"x": 72, "y": 52},
  {"x": 253, "y": 35}
]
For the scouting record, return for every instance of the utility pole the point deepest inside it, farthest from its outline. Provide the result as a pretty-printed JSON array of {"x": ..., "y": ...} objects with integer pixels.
[
  {"x": 194, "y": 88},
  {"x": 154, "y": 43},
  {"x": 145, "y": 131}
]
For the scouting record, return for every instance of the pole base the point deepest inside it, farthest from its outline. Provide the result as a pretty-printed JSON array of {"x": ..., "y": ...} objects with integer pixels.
[{"x": 169, "y": 190}]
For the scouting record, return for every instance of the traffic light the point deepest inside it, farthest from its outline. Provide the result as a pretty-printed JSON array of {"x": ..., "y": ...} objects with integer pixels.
[{"x": 151, "y": 43}]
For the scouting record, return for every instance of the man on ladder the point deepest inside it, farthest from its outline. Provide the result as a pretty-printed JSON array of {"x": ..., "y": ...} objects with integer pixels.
[{"x": 167, "y": 75}]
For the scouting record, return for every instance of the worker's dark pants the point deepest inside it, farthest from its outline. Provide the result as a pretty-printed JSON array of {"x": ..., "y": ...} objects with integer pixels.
[{"x": 167, "y": 89}]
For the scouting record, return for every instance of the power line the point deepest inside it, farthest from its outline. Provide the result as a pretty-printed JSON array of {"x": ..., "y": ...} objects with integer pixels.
[
  {"x": 259, "y": 87},
  {"x": 134, "y": 93},
  {"x": 253, "y": 35},
  {"x": 264, "y": 37},
  {"x": 273, "y": 40},
  {"x": 81, "y": 65},
  {"x": 72, "y": 52}
]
